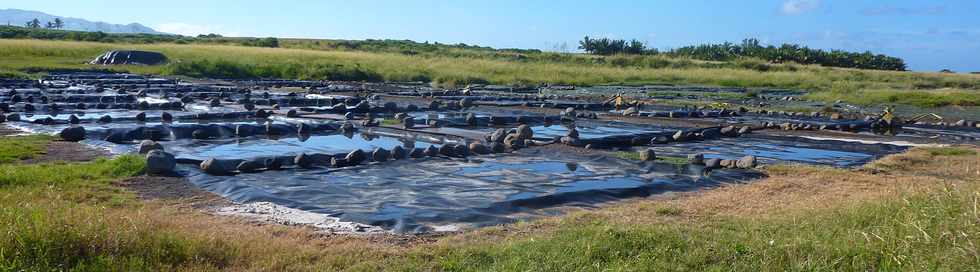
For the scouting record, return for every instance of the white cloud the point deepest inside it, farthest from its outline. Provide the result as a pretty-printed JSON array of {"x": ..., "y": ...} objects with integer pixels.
[
  {"x": 194, "y": 30},
  {"x": 794, "y": 7}
]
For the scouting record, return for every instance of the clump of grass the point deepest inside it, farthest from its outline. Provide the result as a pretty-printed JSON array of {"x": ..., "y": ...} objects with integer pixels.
[
  {"x": 949, "y": 151},
  {"x": 391, "y": 122},
  {"x": 668, "y": 211},
  {"x": 85, "y": 175},
  {"x": 672, "y": 160},
  {"x": 17, "y": 148},
  {"x": 627, "y": 155}
]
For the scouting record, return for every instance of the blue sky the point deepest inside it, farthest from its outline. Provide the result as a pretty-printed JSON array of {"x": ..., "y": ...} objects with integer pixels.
[{"x": 929, "y": 35}]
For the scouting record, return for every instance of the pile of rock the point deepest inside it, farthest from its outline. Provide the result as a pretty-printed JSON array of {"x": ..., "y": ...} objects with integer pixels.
[
  {"x": 747, "y": 162},
  {"x": 518, "y": 138}
]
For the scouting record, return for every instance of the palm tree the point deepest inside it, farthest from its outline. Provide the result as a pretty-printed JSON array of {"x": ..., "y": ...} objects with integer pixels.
[{"x": 34, "y": 23}]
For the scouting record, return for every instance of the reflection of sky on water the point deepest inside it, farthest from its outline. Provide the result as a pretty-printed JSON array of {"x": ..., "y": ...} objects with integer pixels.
[{"x": 253, "y": 147}]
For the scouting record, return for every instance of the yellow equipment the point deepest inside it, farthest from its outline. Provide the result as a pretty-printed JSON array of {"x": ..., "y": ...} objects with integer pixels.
[{"x": 618, "y": 101}]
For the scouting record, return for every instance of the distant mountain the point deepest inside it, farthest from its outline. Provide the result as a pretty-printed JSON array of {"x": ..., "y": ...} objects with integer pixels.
[{"x": 19, "y": 17}]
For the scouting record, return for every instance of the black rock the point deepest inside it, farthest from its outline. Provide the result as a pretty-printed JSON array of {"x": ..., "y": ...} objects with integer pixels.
[
  {"x": 524, "y": 132},
  {"x": 471, "y": 119},
  {"x": 273, "y": 164},
  {"x": 744, "y": 130},
  {"x": 74, "y": 120},
  {"x": 200, "y": 134},
  {"x": 714, "y": 163},
  {"x": 398, "y": 153},
  {"x": 303, "y": 128},
  {"x": 244, "y": 130},
  {"x": 408, "y": 122},
  {"x": 218, "y": 168},
  {"x": 711, "y": 133},
  {"x": 417, "y": 153},
  {"x": 73, "y": 134},
  {"x": 304, "y": 161},
  {"x": 159, "y": 162},
  {"x": 498, "y": 147},
  {"x": 479, "y": 149},
  {"x": 648, "y": 155},
  {"x": 461, "y": 150},
  {"x": 250, "y": 166},
  {"x": 729, "y": 131},
  {"x": 380, "y": 155},
  {"x": 356, "y": 157},
  {"x": 696, "y": 159},
  {"x": 497, "y": 136},
  {"x": 148, "y": 145},
  {"x": 339, "y": 162},
  {"x": 431, "y": 151}
]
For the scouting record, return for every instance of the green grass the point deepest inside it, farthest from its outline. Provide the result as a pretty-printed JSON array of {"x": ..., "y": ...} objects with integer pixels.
[
  {"x": 627, "y": 155},
  {"x": 935, "y": 231},
  {"x": 391, "y": 122},
  {"x": 950, "y": 151},
  {"x": 920, "y": 98},
  {"x": 17, "y": 148},
  {"x": 53, "y": 216},
  {"x": 707, "y": 95}
]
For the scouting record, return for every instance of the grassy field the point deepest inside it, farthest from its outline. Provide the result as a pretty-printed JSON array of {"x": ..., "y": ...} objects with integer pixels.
[
  {"x": 21, "y": 148},
  {"x": 914, "y": 211},
  {"x": 26, "y": 57}
]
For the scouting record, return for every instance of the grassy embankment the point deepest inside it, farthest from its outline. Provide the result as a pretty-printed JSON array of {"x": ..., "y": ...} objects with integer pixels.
[
  {"x": 914, "y": 211},
  {"x": 456, "y": 67}
]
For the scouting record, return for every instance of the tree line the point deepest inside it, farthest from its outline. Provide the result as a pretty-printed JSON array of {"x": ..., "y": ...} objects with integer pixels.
[
  {"x": 750, "y": 48},
  {"x": 56, "y": 24}
]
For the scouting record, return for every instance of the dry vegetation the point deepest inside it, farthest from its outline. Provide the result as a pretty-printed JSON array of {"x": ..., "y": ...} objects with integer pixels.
[{"x": 908, "y": 211}]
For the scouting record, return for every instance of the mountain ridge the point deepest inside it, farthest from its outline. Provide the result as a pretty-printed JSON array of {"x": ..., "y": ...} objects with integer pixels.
[{"x": 19, "y": 17}]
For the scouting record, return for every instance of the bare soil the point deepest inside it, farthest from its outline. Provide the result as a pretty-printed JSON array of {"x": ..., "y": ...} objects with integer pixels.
[
  {"x": 68, "y": 152},
  {"x": 176, "y": 190}
]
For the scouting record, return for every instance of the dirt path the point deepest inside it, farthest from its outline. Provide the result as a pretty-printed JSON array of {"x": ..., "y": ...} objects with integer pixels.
[
  {"x": 6, "y": 131},
  {"x": 176, "y": 190},
  {"x": 68, "y": 152}
]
